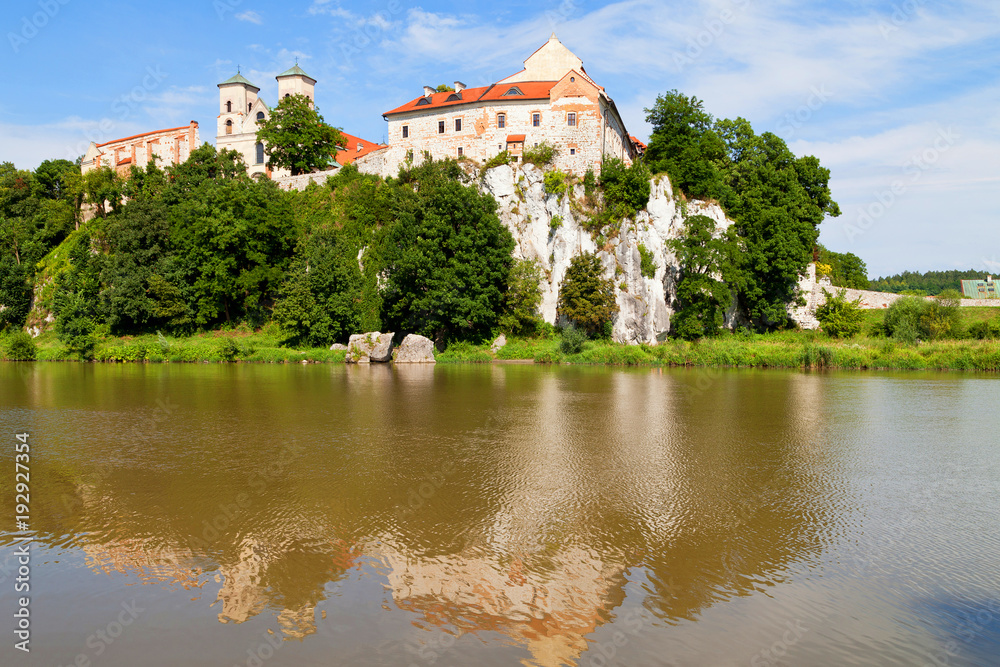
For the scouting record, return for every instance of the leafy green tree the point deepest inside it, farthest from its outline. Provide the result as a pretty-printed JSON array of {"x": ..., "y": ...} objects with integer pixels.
[
  {"x": 297, "y": 138},
  {"x": 320, "y": 296},
  {"x": 941, "y": 317},
  {"x": 840, "y": 318},
  {"x": 846, "y": 269},
  {"x": 709, "y": 275},
  {"x": 685, "y": 144},
  {"x": 931, "y": 282},
  {"x": 903, "y": 319},
  {"x": 524, "y": 294},
  {"x": 448, "y": 257},
  {"x": 626, "y": 189},
  {"x": 21, "y": 347},
  {"x": 585, "y": 298},
  {"x": 445, "y": 88}
]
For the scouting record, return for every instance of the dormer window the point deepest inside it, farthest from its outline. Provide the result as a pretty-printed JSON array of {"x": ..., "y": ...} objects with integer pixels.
[
  {"x": 454, "y": 97},
  {"x": 422, "y": 101},
  {"x": 513, "y": 90}
]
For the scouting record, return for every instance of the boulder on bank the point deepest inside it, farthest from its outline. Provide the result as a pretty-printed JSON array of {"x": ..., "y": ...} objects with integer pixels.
[
  {"x": 498, "y": 343},
  {"x": 338, "y": 347},
  {"x": 415, "y": 350},
  {"x": 373, "y": 346}
]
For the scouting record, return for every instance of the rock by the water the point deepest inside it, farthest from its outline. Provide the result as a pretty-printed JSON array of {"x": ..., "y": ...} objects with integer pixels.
[
  {"x": 415, "y": 350},
  {"x": 338, "y": 346},
  {"x": 498, "y": 343},
  {"x": 373, "y": 346}
]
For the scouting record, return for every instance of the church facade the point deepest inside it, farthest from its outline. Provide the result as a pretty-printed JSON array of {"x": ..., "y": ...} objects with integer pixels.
[{"x": 552, "y": 99}]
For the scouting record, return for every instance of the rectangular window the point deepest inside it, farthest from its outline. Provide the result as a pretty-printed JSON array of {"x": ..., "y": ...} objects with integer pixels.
[
  {"x": 406, "y": 131},
  {"x": 459, "y": 151},
  {"x": 458, "y": 124},
  {"x": 536, "y": 119},
  {"x": 572, "y": 151},
  {"x": 440, "y": 127},
  {"x": 501, "y": 120},
  {"x": 571, "y": 119}
]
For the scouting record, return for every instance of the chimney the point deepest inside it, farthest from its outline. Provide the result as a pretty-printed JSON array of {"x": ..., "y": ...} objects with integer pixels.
[
  {"x": 459, "y": 86},
  {"x": 428, "y": 91}
]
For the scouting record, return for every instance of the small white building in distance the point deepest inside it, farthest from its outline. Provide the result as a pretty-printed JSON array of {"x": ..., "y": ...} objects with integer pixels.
[
  {"x": 553, "y": 99},
  {"x": 163, "y": 147}
]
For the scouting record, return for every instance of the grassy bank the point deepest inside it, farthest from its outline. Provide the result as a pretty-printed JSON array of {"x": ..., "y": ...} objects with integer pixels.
[
  {"x": 789, "y": 349},
  {"x": 214, "y": 346}
]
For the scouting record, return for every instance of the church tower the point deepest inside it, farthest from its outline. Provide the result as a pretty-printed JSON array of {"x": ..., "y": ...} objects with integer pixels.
[
  {"x": 236, "y": 98},
  {"x": 296, "y": 82}
]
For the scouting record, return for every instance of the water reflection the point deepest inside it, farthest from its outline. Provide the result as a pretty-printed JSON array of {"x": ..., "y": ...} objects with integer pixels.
[{"x": 506, "y": 499}]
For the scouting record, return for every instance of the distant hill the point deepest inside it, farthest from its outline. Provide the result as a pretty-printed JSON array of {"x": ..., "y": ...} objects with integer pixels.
[{"x": 931, "y": 282}]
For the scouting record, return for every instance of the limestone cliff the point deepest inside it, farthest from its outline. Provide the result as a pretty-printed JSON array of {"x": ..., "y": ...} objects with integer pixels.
[{"x": 644, "y": 303}]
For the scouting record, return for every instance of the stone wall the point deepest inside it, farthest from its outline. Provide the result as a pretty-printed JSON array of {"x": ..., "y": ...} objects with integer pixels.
[{"x": 302, "y": 180}]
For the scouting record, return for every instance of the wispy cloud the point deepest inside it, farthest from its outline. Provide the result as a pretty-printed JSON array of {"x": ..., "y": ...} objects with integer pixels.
[{"x": 250, "y": 16}]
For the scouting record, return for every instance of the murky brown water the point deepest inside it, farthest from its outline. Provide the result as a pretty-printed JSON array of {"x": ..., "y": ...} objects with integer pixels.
[{"x": 329, "y": 515}]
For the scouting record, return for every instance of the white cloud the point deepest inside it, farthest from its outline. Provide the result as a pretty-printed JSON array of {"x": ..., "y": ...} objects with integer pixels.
[{"x": 250, "y": 16}]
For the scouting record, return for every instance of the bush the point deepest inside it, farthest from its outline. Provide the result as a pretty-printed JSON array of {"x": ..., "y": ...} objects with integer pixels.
[
  {"x": 840, "y": 318},
  {"x": 589, "y": 183},
  {"x": 647, "y": 264},
  {"x": 524, "y": 294},
  {"x": 541, "y": 155},
  {"x": 572, "y": 340},
  {"x": 556, "y": 183},
  {"x": 626, "y": 189},
  {"x": 497, "y": 160},
  {"x": 903, "y": 319},
  {"x": 555, "y": 223},
  {"x": 21, "y": 347}
]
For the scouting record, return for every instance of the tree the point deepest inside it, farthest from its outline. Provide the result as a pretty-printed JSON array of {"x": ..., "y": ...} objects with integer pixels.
[
  {"x": 709, "y": 276},
  {"x": 524, "y": 294},
  {"x": 297, "y": 138},
  {"x": 846, "y": 269},
  {"x": 445, "y": 88},
  {"x": 585, "y": 298},
  {"x": 840, "y": 318},
  {"x": 448, "y": 257}
]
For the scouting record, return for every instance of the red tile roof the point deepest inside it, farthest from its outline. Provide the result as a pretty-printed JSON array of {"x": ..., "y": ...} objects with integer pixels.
[
  {"x": 351, "y": 152},
  {"x": 532, "y": 90},
  {"x": 637, "y": 142},
  {"x": 136, "y": 136},
  {"x": 515, "y": 138}
]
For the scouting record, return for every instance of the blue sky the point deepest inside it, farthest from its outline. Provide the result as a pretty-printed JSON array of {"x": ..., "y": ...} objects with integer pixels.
[{"x": 901, "y": 100}]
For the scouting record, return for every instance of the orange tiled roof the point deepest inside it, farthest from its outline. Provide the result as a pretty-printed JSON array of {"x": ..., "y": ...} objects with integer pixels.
[
  {"x": 531, "y": 90},
  {"x": 515, "y": 138},
  {"x": 351, "y": 152},
  {"x": 637, "y": 142},
  {"x": 136, "y": 136}
]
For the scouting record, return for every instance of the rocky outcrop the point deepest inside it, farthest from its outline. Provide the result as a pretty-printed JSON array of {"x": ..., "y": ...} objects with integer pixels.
[
  {"x": 365, "y": 348},
  {"x": 500, "y": 341},
  {"x": 415, "y": 350},
  {"x": 338, "y": 347},
  {"x": 547, "y": 229}
]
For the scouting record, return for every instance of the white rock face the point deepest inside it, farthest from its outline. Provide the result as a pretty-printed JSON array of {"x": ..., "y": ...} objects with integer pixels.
[
  {"x": 374, "y": 346},
  {"x": 645, "y": 303},
  {"x": 415, "y": 350}
]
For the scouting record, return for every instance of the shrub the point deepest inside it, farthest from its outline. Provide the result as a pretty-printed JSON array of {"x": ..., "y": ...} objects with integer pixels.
[
  {"x": 541, "y": 155},
  {"x": 21, "y": 347},
  {"x": 589, "y": 183},
  {"x": 626, "y": 189},
  {"x": 647, "y": 265},
  {"x": 903, "y": 319},
  {"x": 941, "y": 317},
  {"x": 556, "y": 183},
  {"x": 840, "y": 318},
  {"x": 572, "y": 340},
  {"x": 497, "y": 160},
  {"x": 524, "y": 294},
  {"x": 555, "y": 223}
]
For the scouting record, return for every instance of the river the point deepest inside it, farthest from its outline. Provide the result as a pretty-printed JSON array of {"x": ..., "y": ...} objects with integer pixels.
[{"x": 257, "y": 515}]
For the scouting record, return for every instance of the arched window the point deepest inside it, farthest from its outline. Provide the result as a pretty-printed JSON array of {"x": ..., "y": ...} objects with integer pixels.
[
  {"x": 260, "y": 153},
  {"x": 229, "y": 127},
  {"x": 229, "y": 106},
  {"x": 260, "y": 115},
  {"x": 287, "y": 95},
  {"x": 249, "y": 106}
]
